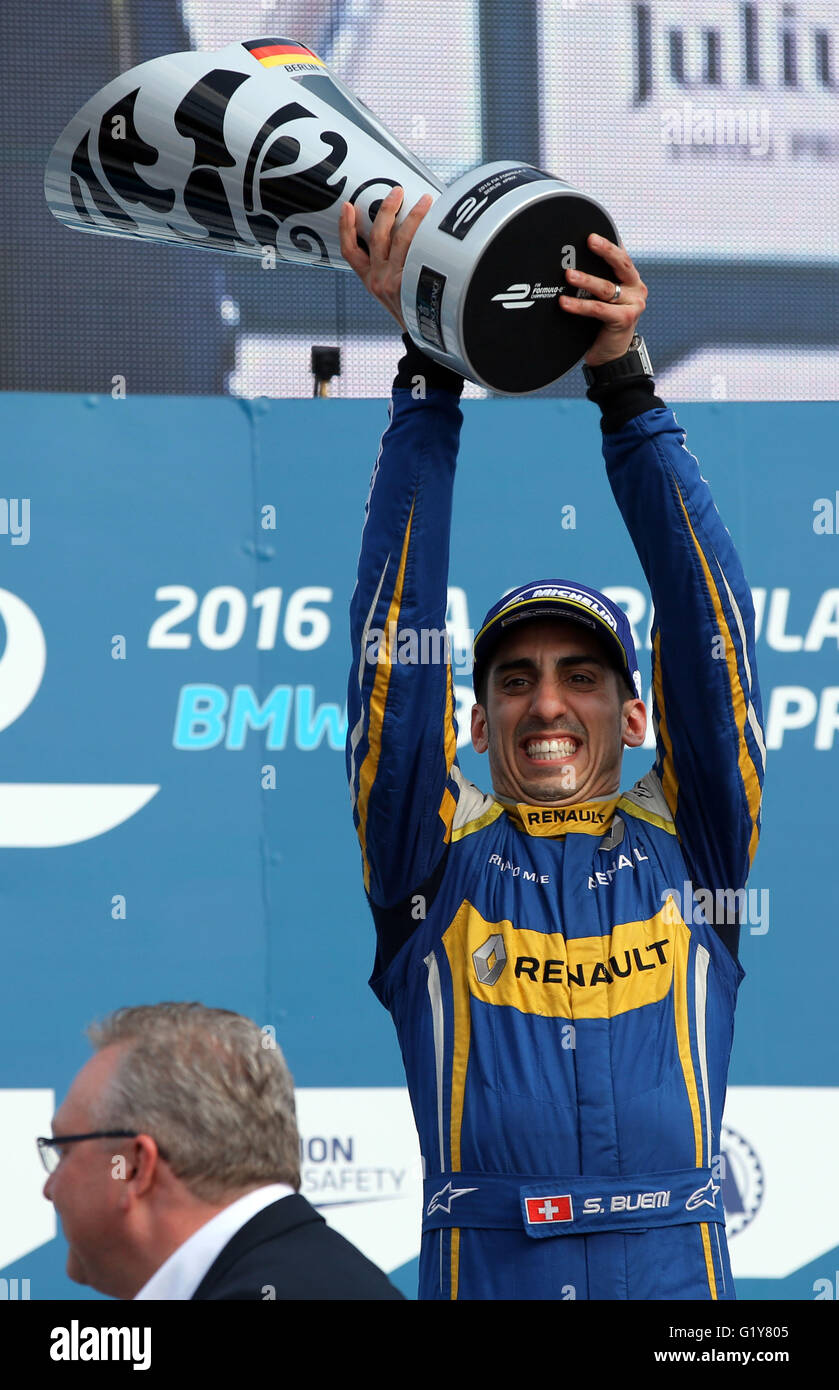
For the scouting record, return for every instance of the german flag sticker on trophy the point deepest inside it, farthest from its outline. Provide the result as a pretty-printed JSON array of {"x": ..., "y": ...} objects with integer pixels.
[{"x": 259, "y": 146}]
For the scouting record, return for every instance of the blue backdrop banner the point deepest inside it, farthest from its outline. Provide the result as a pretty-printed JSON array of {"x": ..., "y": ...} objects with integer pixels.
[{"x": 174, "y": 819}]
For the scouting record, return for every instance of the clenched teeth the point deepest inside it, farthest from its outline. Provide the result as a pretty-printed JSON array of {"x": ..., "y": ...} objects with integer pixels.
[{"x": 551, "y": 748}]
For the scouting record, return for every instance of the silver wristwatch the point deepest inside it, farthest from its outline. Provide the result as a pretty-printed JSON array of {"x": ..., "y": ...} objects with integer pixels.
[{"x": 635, "y": 362}]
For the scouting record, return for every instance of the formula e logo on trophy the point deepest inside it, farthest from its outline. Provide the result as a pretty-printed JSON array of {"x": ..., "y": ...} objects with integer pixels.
[
  {"x": 525, "y": 296},
  {"x": 43, "y": 815},
  {"x": 515, "y": 297}
]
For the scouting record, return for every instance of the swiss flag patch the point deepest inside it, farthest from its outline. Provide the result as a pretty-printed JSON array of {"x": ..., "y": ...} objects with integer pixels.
[{"x": 542, "y": 1209}]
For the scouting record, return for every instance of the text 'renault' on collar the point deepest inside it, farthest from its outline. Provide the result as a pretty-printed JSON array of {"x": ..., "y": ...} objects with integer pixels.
[{"x": 587, "y": 818}]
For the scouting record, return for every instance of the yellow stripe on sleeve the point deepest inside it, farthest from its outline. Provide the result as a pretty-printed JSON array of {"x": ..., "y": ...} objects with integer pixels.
[
  {"x": 448, "y": 805},
  {"x": 378, "y": 704},
  {"x": 738, "y": 698},
  {"x": 669, "y": 778}
]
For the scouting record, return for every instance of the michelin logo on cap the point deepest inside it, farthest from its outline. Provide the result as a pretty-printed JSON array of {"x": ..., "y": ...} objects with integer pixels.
[
  {"x": 563, "y": 599},
  {"x": 575, "y": 596}
]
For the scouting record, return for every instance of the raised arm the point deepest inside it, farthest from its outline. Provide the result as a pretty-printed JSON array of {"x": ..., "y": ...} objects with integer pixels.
[
  {"x": 707, "y": 710},
  {"x": 401, "y": 738},
  {"x": 706, "y": 701}
]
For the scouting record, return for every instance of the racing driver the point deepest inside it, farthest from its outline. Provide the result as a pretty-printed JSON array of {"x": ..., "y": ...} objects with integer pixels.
[{"x": 565, "y": 1033}]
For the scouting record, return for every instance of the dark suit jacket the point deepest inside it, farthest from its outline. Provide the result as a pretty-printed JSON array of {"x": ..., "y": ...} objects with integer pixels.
[{"x": 289, "y": 1248}]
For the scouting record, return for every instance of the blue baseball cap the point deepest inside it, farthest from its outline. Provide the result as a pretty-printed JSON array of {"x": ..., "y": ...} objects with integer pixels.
[{"x": 559, "y": 598}]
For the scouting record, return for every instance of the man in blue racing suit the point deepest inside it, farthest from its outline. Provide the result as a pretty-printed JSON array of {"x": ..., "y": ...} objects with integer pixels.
[{"x": 565, "y": 1032}]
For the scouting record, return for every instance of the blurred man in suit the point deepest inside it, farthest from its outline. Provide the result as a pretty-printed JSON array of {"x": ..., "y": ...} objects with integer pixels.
[{"x": 174, "y": 1166}]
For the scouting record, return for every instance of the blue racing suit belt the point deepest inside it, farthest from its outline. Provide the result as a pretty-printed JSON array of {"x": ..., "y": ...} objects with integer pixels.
[{"x": 579, "y": 1206}]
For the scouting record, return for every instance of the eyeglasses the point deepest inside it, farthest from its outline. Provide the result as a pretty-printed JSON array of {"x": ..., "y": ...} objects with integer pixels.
[{"x": 47, "y": 1147}]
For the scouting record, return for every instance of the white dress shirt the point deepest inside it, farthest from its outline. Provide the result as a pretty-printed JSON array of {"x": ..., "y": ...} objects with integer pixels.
[{"x": 179, "y": 1276}]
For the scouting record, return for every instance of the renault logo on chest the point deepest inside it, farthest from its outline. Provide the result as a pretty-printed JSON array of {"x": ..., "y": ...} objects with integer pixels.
[{"x": 489, "y": 960}]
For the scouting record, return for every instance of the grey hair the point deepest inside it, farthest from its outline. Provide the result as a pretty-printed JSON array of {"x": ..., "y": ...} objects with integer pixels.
[{"x": 210, "y": 1087}]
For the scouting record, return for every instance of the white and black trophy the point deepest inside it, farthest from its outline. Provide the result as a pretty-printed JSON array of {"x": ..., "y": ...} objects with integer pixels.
[{"x": 255, "y": 148}]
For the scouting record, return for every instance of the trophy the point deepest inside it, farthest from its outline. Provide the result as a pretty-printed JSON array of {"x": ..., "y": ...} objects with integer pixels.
[{"x": 255, "y": 148}]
